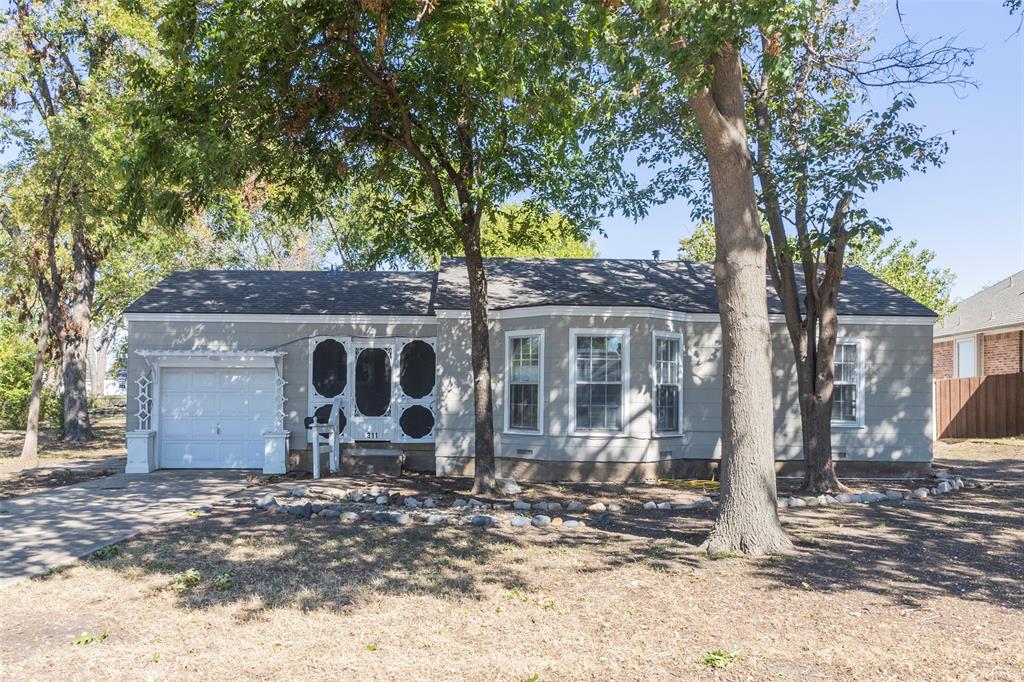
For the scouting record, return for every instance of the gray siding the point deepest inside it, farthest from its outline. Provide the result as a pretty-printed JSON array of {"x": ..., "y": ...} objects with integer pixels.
[
  {"x": 291, "y": 338},
  {"x": 897, "y": 399},
  {"x": 898, "y": 388}
]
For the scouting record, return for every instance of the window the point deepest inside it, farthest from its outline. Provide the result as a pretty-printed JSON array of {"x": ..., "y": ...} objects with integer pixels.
[
  {"x": 846, "y": 395},
  {"x": 525, "y": 365},
  {"x": 668, "y": 377},
  {"x": 967, "y": 358},
  {"x": 600, "y": 366}
]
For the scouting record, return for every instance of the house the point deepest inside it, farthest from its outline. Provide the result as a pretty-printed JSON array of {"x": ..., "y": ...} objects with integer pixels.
[
  {"x": 985, "y": 334},
  {"x": 602, "y": 370}
]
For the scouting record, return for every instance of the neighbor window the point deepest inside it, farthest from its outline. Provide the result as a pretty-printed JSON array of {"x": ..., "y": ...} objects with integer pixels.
[
  {"x": 667, "y": 383},
  {"x": 599, "y": 386},
  {"x": 967, "y": 358},
  {"x": 846, "y": 407},
  {"x": 524, "y": 381}
]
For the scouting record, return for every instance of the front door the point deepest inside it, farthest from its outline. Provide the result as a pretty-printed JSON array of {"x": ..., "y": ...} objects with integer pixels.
[{"x": 374, "y": 386}]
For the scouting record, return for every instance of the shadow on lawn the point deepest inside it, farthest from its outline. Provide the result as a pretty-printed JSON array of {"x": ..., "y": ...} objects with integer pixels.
[
  {"x": 964, "y": 546},
  {"x": 309, "y": 565}
]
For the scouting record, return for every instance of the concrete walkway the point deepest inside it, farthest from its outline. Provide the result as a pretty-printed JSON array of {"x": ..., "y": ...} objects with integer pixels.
[{"x": 45, "y": 530}]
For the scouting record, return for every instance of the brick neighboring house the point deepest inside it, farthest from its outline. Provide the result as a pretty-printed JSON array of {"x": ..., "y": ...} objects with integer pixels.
[{"x": 984, "y": 335}]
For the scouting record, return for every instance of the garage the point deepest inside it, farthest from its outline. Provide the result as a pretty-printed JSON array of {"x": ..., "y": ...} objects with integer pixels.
[{"x": 215, "y": 418}]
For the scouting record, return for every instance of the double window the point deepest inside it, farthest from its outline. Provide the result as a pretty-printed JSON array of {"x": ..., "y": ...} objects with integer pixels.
[
  {"x": 524, "y": 408},
  {"x": 600, "y": 367},
  {"x": 668, "y": 382},
  {"x": 848, "y": 384}
]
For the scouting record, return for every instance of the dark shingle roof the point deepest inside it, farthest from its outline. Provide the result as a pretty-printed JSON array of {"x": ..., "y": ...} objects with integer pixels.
[
  {"x": 512, "y": 283},
  {"x": 670, "y": 285},
  {"x": 1000, "y": 305},
  {"x": 265, "y": 292}
]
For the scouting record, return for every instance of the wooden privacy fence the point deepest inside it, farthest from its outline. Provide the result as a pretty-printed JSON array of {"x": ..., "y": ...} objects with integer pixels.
[{"x": 980, "y": 407}]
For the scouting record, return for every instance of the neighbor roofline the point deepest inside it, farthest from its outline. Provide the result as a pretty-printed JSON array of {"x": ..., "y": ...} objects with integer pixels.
[{"x": 999, "y": 328}]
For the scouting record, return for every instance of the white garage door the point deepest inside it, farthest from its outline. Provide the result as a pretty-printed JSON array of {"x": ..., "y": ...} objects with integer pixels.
[{"x": 215, "y": 418}]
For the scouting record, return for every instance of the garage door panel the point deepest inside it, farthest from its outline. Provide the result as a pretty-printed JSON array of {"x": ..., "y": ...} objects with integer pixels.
[
  {"x": 236, "y": 453},
  {"x": 173, "y": 429},
  {"x": 240, "y": 427},
  {"x": 177, "y": 382},
  {"x": 215, "y": 418}
]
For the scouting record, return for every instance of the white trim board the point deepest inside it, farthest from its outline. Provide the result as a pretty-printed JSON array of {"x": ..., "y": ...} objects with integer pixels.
[
  {"x": 279, "y": 319},
  {"x": 661, "y": 314}
]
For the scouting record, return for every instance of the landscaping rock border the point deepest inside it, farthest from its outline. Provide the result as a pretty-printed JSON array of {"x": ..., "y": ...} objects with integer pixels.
[{"x": 381, "y": 505}]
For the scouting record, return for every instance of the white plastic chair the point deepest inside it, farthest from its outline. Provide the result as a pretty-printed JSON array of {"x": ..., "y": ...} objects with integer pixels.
[{"x": 333, "y": 436}]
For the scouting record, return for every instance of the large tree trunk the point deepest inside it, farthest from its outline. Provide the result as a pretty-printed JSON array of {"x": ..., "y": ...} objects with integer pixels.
[
  {"x": 819, "y": 467},
  {"x": 30, "y": 448},
  {"x": 77, "y": 428},
  {"x": 748, "y": 518},
  {"x": 483, "y": 408}
]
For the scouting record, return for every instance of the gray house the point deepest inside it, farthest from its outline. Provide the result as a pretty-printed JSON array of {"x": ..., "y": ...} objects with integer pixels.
[{"x": 603, "y": 370}]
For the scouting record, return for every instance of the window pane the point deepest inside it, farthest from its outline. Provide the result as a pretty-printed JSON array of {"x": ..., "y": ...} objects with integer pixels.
[
  {"x": 523, "y": 410},
  {"x": 667, "y": 403},
  {"x": 844, "y": 403}
]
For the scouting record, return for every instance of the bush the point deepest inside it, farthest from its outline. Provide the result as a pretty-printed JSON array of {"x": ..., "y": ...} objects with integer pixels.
[{"x": 51, "y": 410}]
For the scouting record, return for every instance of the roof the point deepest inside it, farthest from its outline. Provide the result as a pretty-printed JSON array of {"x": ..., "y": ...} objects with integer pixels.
[
  {"x": 269, "y": 292},
  {"x": 680, "y": 286},
  {"x": 1000, "y": 305}
]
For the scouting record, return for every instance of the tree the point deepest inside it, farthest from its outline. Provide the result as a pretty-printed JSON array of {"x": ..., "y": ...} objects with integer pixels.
[
  {"x": 905, "y": 266},
  {"x": 818, "y": 149},
  {"x": 453, "y": 106},
  {"x": 902, "y": 265},
  {"x": 63, "y": 81},
  {"x": 682, "y": 59}
]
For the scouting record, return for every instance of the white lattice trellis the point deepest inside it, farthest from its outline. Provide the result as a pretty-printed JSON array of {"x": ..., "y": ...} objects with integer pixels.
[
  {"x": 279, "y": 383},
  {"x": 145, "y": 402}
]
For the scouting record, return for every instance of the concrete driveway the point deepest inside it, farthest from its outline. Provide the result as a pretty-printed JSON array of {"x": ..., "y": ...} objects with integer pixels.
[{"x": 44, "y": 530}]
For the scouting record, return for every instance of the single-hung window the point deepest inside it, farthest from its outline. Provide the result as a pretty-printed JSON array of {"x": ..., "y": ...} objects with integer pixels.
[
  {"x": 846, "y": 408},
  {"x": 668, "y": 376},
  {"x": 525, "y": 379},
  {"x": 599, "y": 381}
]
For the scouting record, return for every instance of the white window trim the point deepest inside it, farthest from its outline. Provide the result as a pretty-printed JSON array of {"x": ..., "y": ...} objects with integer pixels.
[
  {"x": 522, "y": 334},
  {"x": 861, "y": 366},
  {"x": 676, "y": 336},
  {"x": 978, "y": 355},
  {"x": 624, "y": 409}
]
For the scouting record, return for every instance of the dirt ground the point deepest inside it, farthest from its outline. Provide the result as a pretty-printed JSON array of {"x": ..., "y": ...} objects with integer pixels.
[
  {"x": 922, "y": 590},
  {"x": 60, "y": 464}
]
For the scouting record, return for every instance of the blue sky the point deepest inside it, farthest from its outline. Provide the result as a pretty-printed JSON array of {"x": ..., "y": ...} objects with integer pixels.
[{"x": 971, "y": 210}]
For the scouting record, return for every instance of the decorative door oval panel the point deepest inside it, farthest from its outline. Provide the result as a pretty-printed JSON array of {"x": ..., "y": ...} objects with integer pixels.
[
  {"x": 418, "y": 369},
  {"x": 330, "y": 368},
  {"x": 373, "y": 382}
]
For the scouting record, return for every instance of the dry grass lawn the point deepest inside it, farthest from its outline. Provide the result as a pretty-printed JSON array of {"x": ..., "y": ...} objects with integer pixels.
[
  {"x": 928, "y": 590},
  {"x": 59, "y": 464}
]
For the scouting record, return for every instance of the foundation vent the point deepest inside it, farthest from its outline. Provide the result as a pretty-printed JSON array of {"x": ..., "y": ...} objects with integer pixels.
[
  {"x": 665, "y": 453},
  {"x": 523, "y": 451},
  {"x": 841, "y": 454}
]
